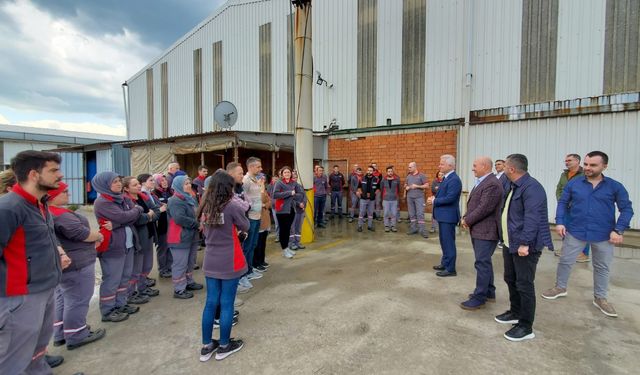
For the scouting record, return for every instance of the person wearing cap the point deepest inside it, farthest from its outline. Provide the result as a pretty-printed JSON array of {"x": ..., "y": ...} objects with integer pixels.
[
  {"x": 73, "y": 294},
  {"x": 183, "y": 237},
  {"x": 116, "y": 252}
]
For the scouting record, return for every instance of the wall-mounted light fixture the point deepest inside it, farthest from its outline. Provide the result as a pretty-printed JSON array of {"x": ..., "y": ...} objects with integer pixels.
[{"x": 320, "y": 81}]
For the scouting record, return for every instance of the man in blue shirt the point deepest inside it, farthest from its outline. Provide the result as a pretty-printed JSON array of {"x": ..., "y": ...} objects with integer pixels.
[{"x": 586, "y": 215}]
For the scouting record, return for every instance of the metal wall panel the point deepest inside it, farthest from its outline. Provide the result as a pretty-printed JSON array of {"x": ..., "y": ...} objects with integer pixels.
[
  {"x": 197, "y": 90},
  {"x": 164, "y": 94},
  {"x": 414, "y": 28},
  {"x": 335, "y": 20},
  {"x": 580, "y": 60},
  {"x": 367, "y": 58},
  {"x": 445, "y": 57},
  {"x": 138, "y": 108},
  {"x": 11, "y": 149},
  {"x": 121, "y": 160},
  {"x": 217, "y": 76},
  {"x": 290, "y": 75},
  {"x": 539, "y": 47},
  {"x": 157, "y": 101},
  {"x": 104, "y": 161},
  {"x": 622, "y": 46},
  {"x": 265, "y": 77},
  {"x": 72, "y": 167},
  {"x": 389, "y": 62},
  {"x": 496, "y": 54},
  {"x": 546, "y": 142}
]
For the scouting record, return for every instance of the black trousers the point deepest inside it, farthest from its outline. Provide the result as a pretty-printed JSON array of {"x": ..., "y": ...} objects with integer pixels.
[
  {"x": 259, "y": 253},
  {"x": 284, "y": 223},
  {"x": 520, "y": 274}
]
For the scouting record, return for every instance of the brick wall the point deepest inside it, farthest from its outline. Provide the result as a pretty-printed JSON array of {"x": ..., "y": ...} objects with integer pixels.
[{"x": 398, "y": 150}]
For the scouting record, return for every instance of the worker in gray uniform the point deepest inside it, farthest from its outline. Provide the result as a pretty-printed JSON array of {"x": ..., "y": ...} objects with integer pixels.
[
  {"x": 354, "y": 181},
  {"x": 390, "y": 187},
  {"x": 415, "y": 186},
  {"x": 367, "y": 190}
]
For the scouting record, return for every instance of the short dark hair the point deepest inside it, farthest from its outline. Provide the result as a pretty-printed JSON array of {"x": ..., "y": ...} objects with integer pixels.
[
  {"x": 201, "y": 168},
  {"x": 320, "y": 167},
  {"x": 371, "y": 166},
  {"x": 26, "y": 161},
  {"x": 605, "y": 157},
  {"x": 233, "y": 165},
  {"x": 336, "y": 166},
  {"x": 252, "y": 160},
  {"x": 575, "y": 156},
  {"x": 519, "y": 162},
  {"x": 390, "y": 167},
  {"x": 359, "y": 169},
  {"x": 501, "y": 160},
  {"x": 142, "y": 178}
]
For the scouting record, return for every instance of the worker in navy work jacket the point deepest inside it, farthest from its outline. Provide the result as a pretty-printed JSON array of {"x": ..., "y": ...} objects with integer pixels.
[
  {"x": 446, "y": 210},
  {"x": 31, "y": 263}
]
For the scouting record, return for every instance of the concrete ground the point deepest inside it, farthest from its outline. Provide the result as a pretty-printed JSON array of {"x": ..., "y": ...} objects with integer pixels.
[{"x": 369, "y": 303}]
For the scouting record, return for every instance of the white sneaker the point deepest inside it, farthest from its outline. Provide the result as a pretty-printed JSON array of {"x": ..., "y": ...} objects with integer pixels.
[
  {"x": 242, "y": 290},
  {"x": 292, "y": 253},
  {"x": 254, "y": 275},
  {"x": 287, "y": 254},
  {"x": 238, "y": 302},
  {"x": 244, "y": 281}
]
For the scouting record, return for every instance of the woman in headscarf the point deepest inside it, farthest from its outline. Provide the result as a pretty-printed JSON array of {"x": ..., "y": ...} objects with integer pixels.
[
  {"x": 116, "y": 252},
  {"x": 183, "y": 237},
  {"x": 73, "y": 294},
  {"x": 139, "y": 291},
  {"x": 224, "y": 263},
  {"x": 162, "y": 193}
]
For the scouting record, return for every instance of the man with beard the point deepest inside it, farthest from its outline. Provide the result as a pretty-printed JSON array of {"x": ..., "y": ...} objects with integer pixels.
[
  {"x": 31, "y": 263},
  {"x": 367, "y": 190},
  {"x": 586, "y": 216}
]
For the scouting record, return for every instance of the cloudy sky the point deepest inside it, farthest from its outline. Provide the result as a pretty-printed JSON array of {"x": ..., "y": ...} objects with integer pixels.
[{"x": 62, "y": 62}]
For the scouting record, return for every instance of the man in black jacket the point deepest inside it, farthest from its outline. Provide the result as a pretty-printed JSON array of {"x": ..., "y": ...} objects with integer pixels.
[{"x": 367, "y": 189}]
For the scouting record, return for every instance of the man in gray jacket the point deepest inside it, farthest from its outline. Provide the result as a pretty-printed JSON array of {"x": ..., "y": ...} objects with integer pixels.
[{"x": 31, "y": 263}]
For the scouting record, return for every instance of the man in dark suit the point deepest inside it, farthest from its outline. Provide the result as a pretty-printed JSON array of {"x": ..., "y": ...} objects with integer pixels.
[
  {"x": 483, "y": 221},
  {"x": 446, "y": 210},
  {"x": 525, "y": 232}
]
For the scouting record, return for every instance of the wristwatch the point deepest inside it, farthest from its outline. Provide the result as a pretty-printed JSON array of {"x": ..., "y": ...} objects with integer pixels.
[{"x": 620, "y": 232}]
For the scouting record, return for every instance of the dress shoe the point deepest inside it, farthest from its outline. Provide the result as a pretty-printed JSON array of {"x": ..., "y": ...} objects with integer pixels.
[
  {"x": 446, "y": 273},
  {"x": 59, "y": 342},
  {"x": 439, "y": 267},
  {"x": 54, "y": 360},
  {"x": 93, "y": 336},
  {"x": 472, "y": 304},
  {"x": 489, "y": 299}
]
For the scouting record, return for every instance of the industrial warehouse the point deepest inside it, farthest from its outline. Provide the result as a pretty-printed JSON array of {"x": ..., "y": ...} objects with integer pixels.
[{"x": 347, "y": 187}]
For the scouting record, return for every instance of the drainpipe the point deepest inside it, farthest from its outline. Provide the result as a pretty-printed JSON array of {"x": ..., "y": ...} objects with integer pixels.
[
  {"x": 464, "y": 151},
  {"x": 303, "y": 152},
  {"x": 125, "y": 100}
]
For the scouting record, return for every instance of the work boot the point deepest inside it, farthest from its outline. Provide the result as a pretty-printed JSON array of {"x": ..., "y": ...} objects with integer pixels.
[
  {"x": 54, "y": 360},
  {"x": 115, "y": 316},
  {"x": 183, "y": 294},
  {"x": 412, "y": 231},
  {"x": 127, "y": 309},
  {"x": 138, "y": 299}
]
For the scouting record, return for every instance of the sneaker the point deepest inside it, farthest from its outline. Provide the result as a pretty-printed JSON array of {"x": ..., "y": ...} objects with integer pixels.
[
  {"x": 287, "y": 254},
  {"x": 507, "y": 318},
  {"x": 293, "y": 247},
  {"x": 183, "y": 294},
  {"x": 472, "y": 304},
  {"x": 115, "y": 316},
  {"x": 387, "y": 229},
  {"x": 500, "y": 245},
  {"x": 351, "y": 220},
  {"x": 557, "y": 252},
  {"x": 194, "y": 286},
  {"x": 519, "y": 333},
  {"x": 432, "y": 230},
  {"x": 93, "y": 336},
  {"x": 244, "y": 281},
  {"x": 359, "y": 228},
  {"x": 242, "y": 290},
  {"x": 604, "y": 306},
  {"x": 138, "y": 299},
  {"x": 207, "y": 351},
  {"x": 232, "y": 347},
  {"x": 265, "y": 264},
  {"x": 582, "y": 258},
  {"x": 554, "y": 293},
  {"x": 165, "y": 274},
  {"x": 150, "y": 292},
  {"x": 489, "y": 299},
  {"x": 372, "y": 229},
  {"x": 412, "y": 232},
  {"x": 238, "y": 302},
  {"x": 128, "y": 309},
  {"x": 394, "y": 229},
  {"x": 216, "y": 322},
  {"x": 151, "y": 282},
  {"x": 259, "y": 268},
  {"x": 301, "y": 247},
  {"x": 254, "y": 275}
]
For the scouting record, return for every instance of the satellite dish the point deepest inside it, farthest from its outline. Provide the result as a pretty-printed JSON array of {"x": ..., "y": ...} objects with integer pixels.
[{"x": 225, "y": 114}]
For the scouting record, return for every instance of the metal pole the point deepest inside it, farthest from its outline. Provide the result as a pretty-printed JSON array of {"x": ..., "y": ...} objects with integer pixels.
[{"x": 303, "y": 119}]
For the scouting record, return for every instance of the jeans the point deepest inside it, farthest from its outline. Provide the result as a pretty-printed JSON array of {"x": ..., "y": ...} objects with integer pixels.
[
  {"x": 250, "y": 243},
  {"x": 223, "y": 293},
  {"x": 520, "y": 274},
  {"x": 602, "y": 257}
]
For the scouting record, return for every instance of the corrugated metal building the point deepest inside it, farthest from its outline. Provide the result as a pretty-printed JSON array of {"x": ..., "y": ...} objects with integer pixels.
[{"x": 402, "y": 62}]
